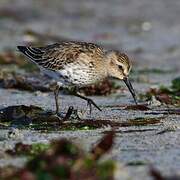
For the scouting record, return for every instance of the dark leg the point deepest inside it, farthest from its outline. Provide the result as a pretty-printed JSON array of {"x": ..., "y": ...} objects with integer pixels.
[
  {"x": 90, "y": 102},
  {"x": 56, "y": 92},
  {"x": 69, "y": 113}
]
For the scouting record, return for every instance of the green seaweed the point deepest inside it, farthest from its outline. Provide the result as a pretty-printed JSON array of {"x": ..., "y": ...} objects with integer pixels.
[
  {"x": 137, "y": 163},
  {"x": 176, "y": 84},
  {"x": 144, "y": 121},
  {"x": 74, "y": 127},
  {"x": 29, "y": 67},
  {"x": 105, "y": 170},
  {"x": 32, "y": 150},
  {"x": 62, "y": 159},
  {"x": 38, "y": 148},
  {"x": 167, "y": 95}
]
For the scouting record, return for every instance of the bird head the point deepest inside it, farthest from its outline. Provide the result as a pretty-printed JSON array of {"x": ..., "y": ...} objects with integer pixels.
[{"x": 119, "y": 67}]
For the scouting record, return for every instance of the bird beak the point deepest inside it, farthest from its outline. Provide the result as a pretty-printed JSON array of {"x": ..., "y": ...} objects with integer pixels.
[{"x": 131, "y": 89}]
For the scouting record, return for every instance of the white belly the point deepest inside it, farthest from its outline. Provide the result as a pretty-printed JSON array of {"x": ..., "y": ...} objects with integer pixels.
[
  {"x": 73, "y": 76},
  {"x": 79, "y": 76}
]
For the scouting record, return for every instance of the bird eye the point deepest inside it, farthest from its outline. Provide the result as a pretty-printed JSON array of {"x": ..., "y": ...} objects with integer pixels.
[{"x": 120, "y": 67}]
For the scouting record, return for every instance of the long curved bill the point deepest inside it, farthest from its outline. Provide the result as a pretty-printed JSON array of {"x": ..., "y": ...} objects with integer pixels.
[{"x": 131, "y": 89}]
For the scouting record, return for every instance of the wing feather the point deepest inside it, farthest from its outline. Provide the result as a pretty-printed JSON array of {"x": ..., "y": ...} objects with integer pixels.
[{"x": 56, "y": 56}]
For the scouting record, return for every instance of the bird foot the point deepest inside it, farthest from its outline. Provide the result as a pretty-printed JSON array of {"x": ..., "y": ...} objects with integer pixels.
[{"x": 90, "y": 102}]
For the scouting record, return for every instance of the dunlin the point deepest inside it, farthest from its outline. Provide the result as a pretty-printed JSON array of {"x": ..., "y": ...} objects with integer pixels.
[{"x": 79, "y": 64}]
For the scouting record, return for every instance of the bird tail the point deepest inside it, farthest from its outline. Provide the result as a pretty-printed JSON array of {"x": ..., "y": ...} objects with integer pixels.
[{"x": 34, "y": 53}]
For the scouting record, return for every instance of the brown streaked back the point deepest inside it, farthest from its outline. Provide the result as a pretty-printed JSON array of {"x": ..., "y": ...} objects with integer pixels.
[{"x": 56, "y": 56}]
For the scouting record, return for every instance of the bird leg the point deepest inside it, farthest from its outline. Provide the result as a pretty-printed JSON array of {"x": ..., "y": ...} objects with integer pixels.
[
  {"x": 56, "y": 93},
  {"x": 90, "y": 102}
]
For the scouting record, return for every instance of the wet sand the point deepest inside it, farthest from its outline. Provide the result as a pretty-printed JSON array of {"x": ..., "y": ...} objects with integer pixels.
[{"x": 146, "y": 30}]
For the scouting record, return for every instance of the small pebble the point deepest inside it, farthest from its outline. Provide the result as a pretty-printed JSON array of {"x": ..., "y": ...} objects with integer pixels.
[
  {"x": 14, "y": 133},
  {"x": 155, "y": 102},
  {"x": 146, "y": 26}
]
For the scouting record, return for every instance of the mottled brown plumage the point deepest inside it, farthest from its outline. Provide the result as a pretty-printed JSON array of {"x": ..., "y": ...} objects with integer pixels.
[
  {"x": 79, "y": 63},
  {"x": 58, "y": 55}
]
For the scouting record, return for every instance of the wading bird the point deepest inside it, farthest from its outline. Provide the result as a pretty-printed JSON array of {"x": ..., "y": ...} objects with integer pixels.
[{"x": 79, "y": 64}]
